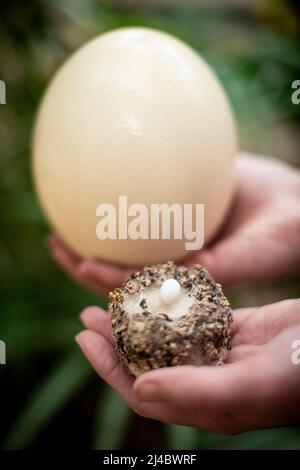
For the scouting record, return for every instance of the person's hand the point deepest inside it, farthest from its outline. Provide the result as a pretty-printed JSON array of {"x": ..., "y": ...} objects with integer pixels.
[
  {"x": 257, "y": 387},
  {"x": 260, "y": 239}
]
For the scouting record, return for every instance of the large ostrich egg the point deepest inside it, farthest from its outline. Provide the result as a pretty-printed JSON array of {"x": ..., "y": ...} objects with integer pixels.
[{"x": 134, "y": 113}]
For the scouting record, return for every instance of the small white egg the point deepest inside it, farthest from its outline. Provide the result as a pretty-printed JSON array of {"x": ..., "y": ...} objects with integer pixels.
[{"x": 170, "y": 291}]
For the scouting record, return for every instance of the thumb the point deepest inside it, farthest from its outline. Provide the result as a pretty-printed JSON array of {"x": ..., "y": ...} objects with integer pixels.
[
  {"x": 204, "y": 387},
  {"x": 231, "y": 260}
]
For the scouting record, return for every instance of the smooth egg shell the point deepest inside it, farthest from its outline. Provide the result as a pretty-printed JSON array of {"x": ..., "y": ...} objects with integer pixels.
[{"x": 134, "y": 112}]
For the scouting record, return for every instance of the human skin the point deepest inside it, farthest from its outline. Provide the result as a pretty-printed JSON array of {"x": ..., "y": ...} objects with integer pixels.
[
  {"x": 260, "y": 239},
  {"x": 257, "y": 387}
]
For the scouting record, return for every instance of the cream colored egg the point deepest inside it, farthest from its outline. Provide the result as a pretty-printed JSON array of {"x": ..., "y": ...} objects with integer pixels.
[{"x": 135, "y": 112}]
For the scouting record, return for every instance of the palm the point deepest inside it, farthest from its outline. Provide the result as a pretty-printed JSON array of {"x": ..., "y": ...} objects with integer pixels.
[{"x": 246, "y": 392}]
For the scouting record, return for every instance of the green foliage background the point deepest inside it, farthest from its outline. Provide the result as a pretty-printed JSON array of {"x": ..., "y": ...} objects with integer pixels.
[{"x": 50, "y": 397}]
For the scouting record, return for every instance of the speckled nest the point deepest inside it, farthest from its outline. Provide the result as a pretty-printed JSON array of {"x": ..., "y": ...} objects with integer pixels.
[{"x": 149, "y": 340}]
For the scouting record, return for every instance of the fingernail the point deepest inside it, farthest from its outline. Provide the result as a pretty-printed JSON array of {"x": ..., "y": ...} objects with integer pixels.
[
  {"x": 77, "y": 338},
  {"x": 147, "y": 391},
  {"x": 82, "y": 314}
]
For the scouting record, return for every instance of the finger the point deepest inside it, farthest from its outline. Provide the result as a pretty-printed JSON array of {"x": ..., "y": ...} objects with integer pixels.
[
  {"x": 97, "y": 319},
  {"x": 110, "y": 275},
  {"x": 240, "y": 349},
  {"x": 62, "y": 254},
  {"x": 228, "y": 261},
  {"x": 102, "y": 356},
  {"x": 67, "y": 263},
  {"x": 54, "y": 241},
  {"x": 97, "y": 287},
  {"x": 240, "y": 316},
  {"x": 70, "y": 262},
  {"x": 261, "y": 324},
  {"x": 89, "y": 277},
  {"x": 202, "y": 387}
]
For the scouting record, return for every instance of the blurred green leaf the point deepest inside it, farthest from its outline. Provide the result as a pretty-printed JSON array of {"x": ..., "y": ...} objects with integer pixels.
[
  {"x": 48, "y": 399},
  {"x": 111, "y": 421},
  {"x": 181, "y": 437},
  {"x": 263, "y": 439}
]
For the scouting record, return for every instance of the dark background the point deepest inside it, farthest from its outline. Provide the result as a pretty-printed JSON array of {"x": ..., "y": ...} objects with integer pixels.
[{"x": 50, "y": 397}]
